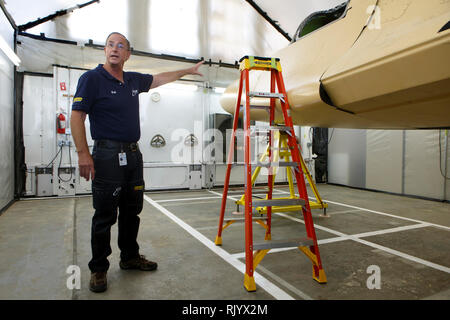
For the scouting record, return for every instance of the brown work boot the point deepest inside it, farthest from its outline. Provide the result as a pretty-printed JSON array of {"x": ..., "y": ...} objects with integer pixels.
[
  {"x": 98, "y": 282},
  {"x": 139, "y": 263}
]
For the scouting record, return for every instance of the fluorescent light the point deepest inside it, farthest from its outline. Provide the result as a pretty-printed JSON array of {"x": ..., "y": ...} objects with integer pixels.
[
  {"x": 9, "y": 52},
  {"x": 219, "y": 90}
]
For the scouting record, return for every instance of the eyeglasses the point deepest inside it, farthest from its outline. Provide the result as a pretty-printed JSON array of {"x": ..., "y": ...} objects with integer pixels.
[{"x": 119, "y": 46}]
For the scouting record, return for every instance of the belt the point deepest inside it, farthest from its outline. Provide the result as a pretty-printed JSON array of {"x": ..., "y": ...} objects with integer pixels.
[{"x": 123, "y": 146}]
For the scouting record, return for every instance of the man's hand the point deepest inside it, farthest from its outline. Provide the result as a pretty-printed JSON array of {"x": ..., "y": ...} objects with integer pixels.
[
  {"x": 194, "y": 69},
  {"x": 166, "y": 77},
  {"x": 86, "y": 165}
]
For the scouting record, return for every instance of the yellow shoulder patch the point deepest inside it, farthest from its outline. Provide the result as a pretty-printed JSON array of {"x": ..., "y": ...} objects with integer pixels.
[{"x": 79, "y": 99}]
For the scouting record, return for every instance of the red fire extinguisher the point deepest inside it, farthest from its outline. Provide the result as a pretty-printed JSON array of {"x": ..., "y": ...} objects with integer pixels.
[{"x": 61, "y": 124}]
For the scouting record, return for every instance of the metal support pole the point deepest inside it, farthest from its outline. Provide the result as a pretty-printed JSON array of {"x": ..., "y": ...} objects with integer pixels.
[{"x": 445, "y": 165}]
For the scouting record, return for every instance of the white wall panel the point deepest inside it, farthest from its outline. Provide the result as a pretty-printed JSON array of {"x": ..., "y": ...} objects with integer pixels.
[
  {"x": 347, "y": 157},
  {"x": 178, "y": 113},
  {"x": 422, "y": 174},
  {"x": 166, "y": 176},
  {"x": 403, "y": 162},
  {"x": 7, "y": 117},
  {"x": 384, "y": 160},
  {"x": 39, "y": 139},
  {"x": 43, "y": 99},
  {"x": 38, "y": 116}
]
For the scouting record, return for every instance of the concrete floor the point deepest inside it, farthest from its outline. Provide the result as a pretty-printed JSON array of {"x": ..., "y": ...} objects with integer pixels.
[{"x": 407, "y": 239}]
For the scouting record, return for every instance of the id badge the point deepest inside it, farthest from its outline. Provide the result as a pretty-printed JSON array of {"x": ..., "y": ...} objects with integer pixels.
[{"x": 122, "y": 159}]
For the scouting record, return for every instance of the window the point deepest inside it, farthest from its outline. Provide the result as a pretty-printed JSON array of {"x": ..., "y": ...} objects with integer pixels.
[{"x": 319, "y": 19}]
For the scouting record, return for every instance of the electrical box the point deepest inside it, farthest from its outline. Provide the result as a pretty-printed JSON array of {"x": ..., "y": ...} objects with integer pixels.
[
  {"x": 44, "y": 181},
  {"x": 66, "y": 179},
  {"x": 195, "y": 177},
  {"x": 209, "y": 171}
]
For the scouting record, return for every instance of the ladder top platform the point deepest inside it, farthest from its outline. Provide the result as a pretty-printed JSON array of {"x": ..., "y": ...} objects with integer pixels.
[
  {"x": 259, "y": 63},
  {"x": 259, "y": 58}
]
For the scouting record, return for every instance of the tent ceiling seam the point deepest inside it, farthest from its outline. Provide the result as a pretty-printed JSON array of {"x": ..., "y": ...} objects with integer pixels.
[
  {"x": 90, "y": 44},
  {"x": 269, "y": 19}
]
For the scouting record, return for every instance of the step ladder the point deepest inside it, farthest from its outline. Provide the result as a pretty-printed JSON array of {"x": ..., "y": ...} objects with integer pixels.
[{"x": 307, "y": 245}]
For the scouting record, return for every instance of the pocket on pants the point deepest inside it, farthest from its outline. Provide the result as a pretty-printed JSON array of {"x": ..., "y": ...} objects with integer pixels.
[
  {"x": 135, "y": 196},
  {"x": 105, "y": 196}
]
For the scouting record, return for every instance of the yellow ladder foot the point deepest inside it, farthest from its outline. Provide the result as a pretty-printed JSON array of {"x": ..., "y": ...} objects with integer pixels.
[
  {"x": 322, "y": 278},
  {"x": 249, "y": 283},
  {"x": 218, "y": 241}
]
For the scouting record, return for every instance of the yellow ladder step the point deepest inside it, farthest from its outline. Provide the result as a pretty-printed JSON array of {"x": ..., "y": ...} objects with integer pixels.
[
  {"x": 276, "y": 244},
  {"x": 277, "y": 202}
]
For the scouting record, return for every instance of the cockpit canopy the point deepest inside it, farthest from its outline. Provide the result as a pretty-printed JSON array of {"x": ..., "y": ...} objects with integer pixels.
[{"x": 319, "y": 19}]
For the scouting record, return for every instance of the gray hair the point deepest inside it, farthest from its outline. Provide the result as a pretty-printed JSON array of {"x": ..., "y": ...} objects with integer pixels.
[{"x": 128, "y": 42}]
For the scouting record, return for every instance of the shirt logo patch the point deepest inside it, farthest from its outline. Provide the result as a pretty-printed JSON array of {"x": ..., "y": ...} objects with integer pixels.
[
  {"x": 78, "y": 99},
  {"x": 134, "y": 93}
]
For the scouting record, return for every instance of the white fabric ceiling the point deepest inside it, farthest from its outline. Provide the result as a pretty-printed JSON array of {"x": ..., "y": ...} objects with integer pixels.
[
  {"x": 289, "y": 13},
  {"x": 214, "y": 29}
]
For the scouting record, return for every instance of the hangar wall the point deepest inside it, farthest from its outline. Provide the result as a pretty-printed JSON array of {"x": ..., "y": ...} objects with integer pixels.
[
  {"x": 407, "y": 162},
  {"x": 424, "y": 164},
  {"x": 7, "y": 117},
  {"x": 173, "y": 112},
  {"x": 347, "y": 157}
]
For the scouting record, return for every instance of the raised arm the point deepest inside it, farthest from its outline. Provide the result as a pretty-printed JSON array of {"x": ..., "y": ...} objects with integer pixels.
[{"x": 166, "y": 77}]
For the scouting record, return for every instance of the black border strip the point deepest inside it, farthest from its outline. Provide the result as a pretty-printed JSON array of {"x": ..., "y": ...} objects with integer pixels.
[
  {"x": 42, "y": 37},
  {"x": 8, "y": 16},
  {"x": 52, "y": 16},
  {"x": 37, "y": 74},
  {"x": 269, "y": 19}
]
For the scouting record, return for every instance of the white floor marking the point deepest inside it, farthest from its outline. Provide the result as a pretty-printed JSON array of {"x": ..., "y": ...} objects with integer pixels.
[
  {"x": 356, "y": 237},
  {"x": 262, "y": 282},
  {"x": 377, "y": 212},
  {"x": 345, "y": 211},
  {"x": 285, "y": 283},
  {"x": 228, "y": 197},
  {"x": 403, "y": 255},
  {"x": 199, "y": 198},
  {"x": 187, "y": 199},
  {"x": 316, "y": 226},
  {"x": 390, "y": 230}
]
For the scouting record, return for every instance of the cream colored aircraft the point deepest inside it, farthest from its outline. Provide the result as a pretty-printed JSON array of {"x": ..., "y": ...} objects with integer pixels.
[{"x": 365, "y": 64}]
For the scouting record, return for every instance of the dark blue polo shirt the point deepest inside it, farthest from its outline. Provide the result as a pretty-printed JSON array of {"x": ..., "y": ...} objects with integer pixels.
[{"x": 112, "y": 106}]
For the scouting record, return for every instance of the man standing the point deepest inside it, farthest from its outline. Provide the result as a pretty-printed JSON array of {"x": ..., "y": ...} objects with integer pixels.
[{"x": 111, "y": 98}]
